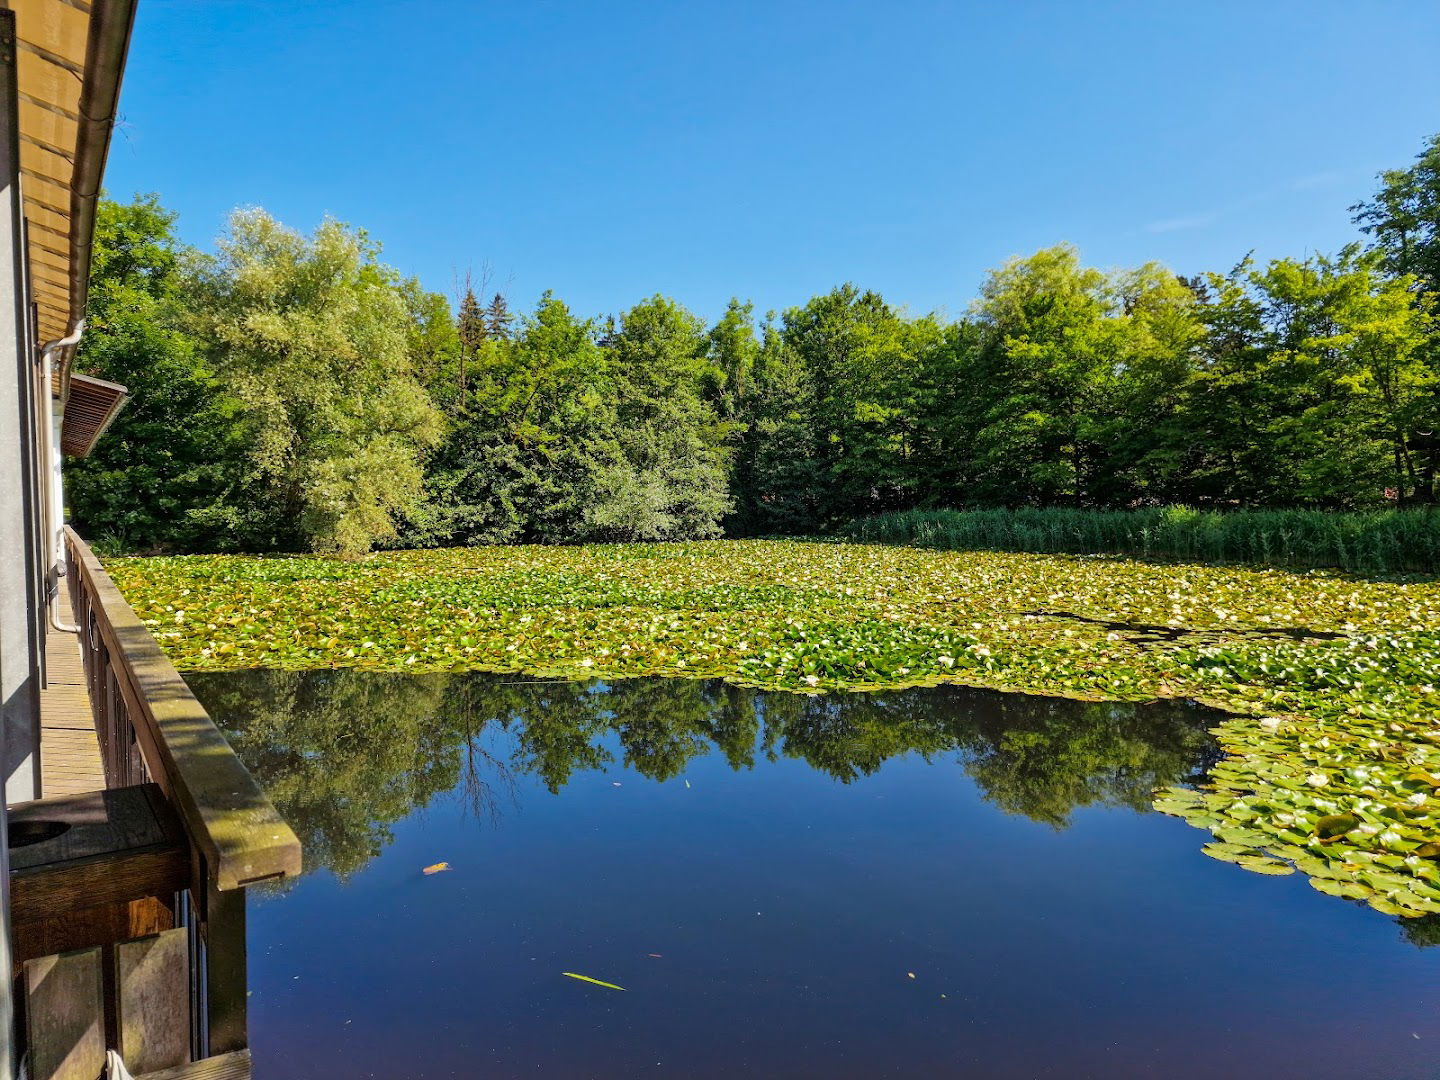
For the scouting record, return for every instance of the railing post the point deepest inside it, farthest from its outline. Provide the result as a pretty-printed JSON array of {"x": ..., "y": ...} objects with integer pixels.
[{"x": 227, "y": 1010}]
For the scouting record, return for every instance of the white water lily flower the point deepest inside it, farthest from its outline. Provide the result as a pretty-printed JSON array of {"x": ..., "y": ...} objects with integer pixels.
[
  {"x": 1389, "y": 837},
  {"x": 1418, "y": 799},
  {"x": 1317, "y": 779},
  {"x": 587, "y": 662},
  {"x": 1270, "y": 723},
  {"x": 945, "y": 661},
  {"x": 811, "y": 680}
]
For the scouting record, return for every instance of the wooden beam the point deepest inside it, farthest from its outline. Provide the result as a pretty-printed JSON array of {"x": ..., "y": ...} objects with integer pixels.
[{"x": 234, "y": 1066}]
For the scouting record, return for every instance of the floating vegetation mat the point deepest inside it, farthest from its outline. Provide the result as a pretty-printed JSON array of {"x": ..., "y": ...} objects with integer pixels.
[{"x": 1333, "y": 765}]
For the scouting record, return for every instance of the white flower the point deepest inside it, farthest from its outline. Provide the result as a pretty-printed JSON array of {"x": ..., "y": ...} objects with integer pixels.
[
  {"x": 811, "y": 680},
  {"x": 1270, "y": 723},
  {"x": 587, "y": 662},
  {"x": 945, "y": 661},
  {"x": 1317, "y": 779}
]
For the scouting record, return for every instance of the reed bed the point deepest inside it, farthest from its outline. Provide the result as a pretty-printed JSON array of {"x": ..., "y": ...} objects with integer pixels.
[{"x": 1381, "y": 541}]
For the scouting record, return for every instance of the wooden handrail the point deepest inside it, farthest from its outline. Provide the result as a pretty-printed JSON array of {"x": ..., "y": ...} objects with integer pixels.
[{"x": 231, "y": 823}]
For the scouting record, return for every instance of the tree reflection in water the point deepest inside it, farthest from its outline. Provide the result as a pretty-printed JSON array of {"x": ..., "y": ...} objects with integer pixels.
[{"x": 345, "y": 754}]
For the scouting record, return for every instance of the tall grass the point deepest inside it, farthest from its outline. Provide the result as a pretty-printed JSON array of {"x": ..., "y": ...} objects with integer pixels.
[{"x": 1381, "y": 541}]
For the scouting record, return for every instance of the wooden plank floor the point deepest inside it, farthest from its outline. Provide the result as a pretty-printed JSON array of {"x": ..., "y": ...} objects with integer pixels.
[{"x": 69, "y": 749}]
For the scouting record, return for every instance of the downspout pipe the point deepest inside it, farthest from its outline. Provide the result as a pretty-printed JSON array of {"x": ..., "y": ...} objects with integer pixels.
[{"x": 54, "y": 480}]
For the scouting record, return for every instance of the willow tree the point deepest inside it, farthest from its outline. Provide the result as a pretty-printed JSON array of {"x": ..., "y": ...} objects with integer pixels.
[{"x": 311, "y": 335}]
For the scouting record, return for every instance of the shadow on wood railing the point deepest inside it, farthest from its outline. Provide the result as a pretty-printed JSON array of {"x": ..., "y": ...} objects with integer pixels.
[{"x": 153, "y": 730}]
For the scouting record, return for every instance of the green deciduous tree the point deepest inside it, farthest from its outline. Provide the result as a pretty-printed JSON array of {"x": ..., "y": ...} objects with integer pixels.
[
  {"x": 312, "y": 335},
  {"x": 668, "y": 480},
  {"x": 168, "y": 474}
]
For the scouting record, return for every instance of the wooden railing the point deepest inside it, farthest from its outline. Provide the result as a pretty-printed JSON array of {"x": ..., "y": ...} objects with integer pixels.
[
  {"x": 173, "y": 900},
  {"x": 152, "y": 727}
]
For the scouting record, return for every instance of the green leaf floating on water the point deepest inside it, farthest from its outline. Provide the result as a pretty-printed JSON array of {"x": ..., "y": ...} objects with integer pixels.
[
  {"x": 594, "y": 982},
  {"x": 1333, "y": 825},
  {"x": 1262, "y": 864},
  {"x": 1324, "y": 729}
]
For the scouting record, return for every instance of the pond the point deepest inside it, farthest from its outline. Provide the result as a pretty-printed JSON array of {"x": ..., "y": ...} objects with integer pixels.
[{"x": 919, "y": 883}]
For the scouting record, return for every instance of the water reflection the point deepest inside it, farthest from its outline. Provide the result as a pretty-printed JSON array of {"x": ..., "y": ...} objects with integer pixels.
[
  {"x": 921, "y": 883},
  {"x": 345, "y": 754}
]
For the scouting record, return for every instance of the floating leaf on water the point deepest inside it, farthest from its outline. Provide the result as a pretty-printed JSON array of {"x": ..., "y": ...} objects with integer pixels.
[
  {"x": 595, "y": 982},
  {"x": 1227, "y": 852},
  {"x": 436, "y": 868},
  {"x": 1261, "y": 865},
  {"x": 1333, "y": 825}
]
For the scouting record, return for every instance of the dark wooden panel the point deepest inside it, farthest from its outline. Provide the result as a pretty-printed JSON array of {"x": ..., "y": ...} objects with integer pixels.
[
  {"x": 100, "y": 882},
  {"x": 64, "y": 1016},
  {"x": 121, "y": 845},
  {"x": 152, "y": 980},
  {"x": 99, "y": 823},
  {"x": 83, "y": 927}
]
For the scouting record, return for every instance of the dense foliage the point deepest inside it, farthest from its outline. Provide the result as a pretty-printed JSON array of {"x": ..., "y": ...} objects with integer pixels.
[
  {"x": 292, "y": 392},
  {"x": 276, "y": 404},
  {"x": 1378, "y": 541},
  {"x": 170, "y": 470}
]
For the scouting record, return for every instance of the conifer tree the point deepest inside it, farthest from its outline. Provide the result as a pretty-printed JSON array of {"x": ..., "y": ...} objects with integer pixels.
[
  {"x": 498, "y": 318},
  {"x": 472, "y": 329}
]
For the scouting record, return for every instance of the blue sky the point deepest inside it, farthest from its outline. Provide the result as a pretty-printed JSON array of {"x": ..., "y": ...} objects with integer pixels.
[{"x": 612, "y": 150}]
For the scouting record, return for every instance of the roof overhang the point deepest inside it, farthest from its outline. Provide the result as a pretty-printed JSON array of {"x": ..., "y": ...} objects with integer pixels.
[
  {"x": 69, "y": 56},
  {"x": 91, "y": 406}
]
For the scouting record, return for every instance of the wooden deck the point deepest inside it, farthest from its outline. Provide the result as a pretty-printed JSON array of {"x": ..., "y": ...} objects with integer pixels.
[{"x": 69, "y": 747}]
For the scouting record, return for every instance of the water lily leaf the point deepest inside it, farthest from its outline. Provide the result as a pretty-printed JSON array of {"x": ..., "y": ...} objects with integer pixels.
[
  {"x": 1349, "y": 889},
  {"x": 1333, "y": 825},
  {"x": 1228, "y": 852},
  {"x": 1261, "y": 865}
]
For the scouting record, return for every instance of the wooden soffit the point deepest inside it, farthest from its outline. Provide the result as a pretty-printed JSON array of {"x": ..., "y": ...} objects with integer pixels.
[
  {"x": 91, "y": 406},
  {"x": 69, "y": 58}
]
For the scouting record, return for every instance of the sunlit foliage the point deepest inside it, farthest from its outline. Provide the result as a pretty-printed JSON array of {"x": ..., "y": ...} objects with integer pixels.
[{"x": 311, "y": 335}]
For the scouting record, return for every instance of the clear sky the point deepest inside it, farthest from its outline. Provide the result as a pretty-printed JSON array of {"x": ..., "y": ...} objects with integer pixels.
[{"x": 611, "y": 150}]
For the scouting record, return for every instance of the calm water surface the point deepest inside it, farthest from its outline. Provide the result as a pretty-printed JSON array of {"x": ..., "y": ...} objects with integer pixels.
[{"x": 927, "y": 883}]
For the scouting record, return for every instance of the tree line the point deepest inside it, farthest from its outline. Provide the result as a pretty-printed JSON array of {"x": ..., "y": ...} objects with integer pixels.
[{"x": 293, "y": 392}]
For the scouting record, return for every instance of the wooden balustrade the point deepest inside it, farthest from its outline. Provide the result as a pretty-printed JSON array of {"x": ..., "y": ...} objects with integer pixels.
[
  {"x": 153, "y": 728},
  {"x": 142, "y": 899}
]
